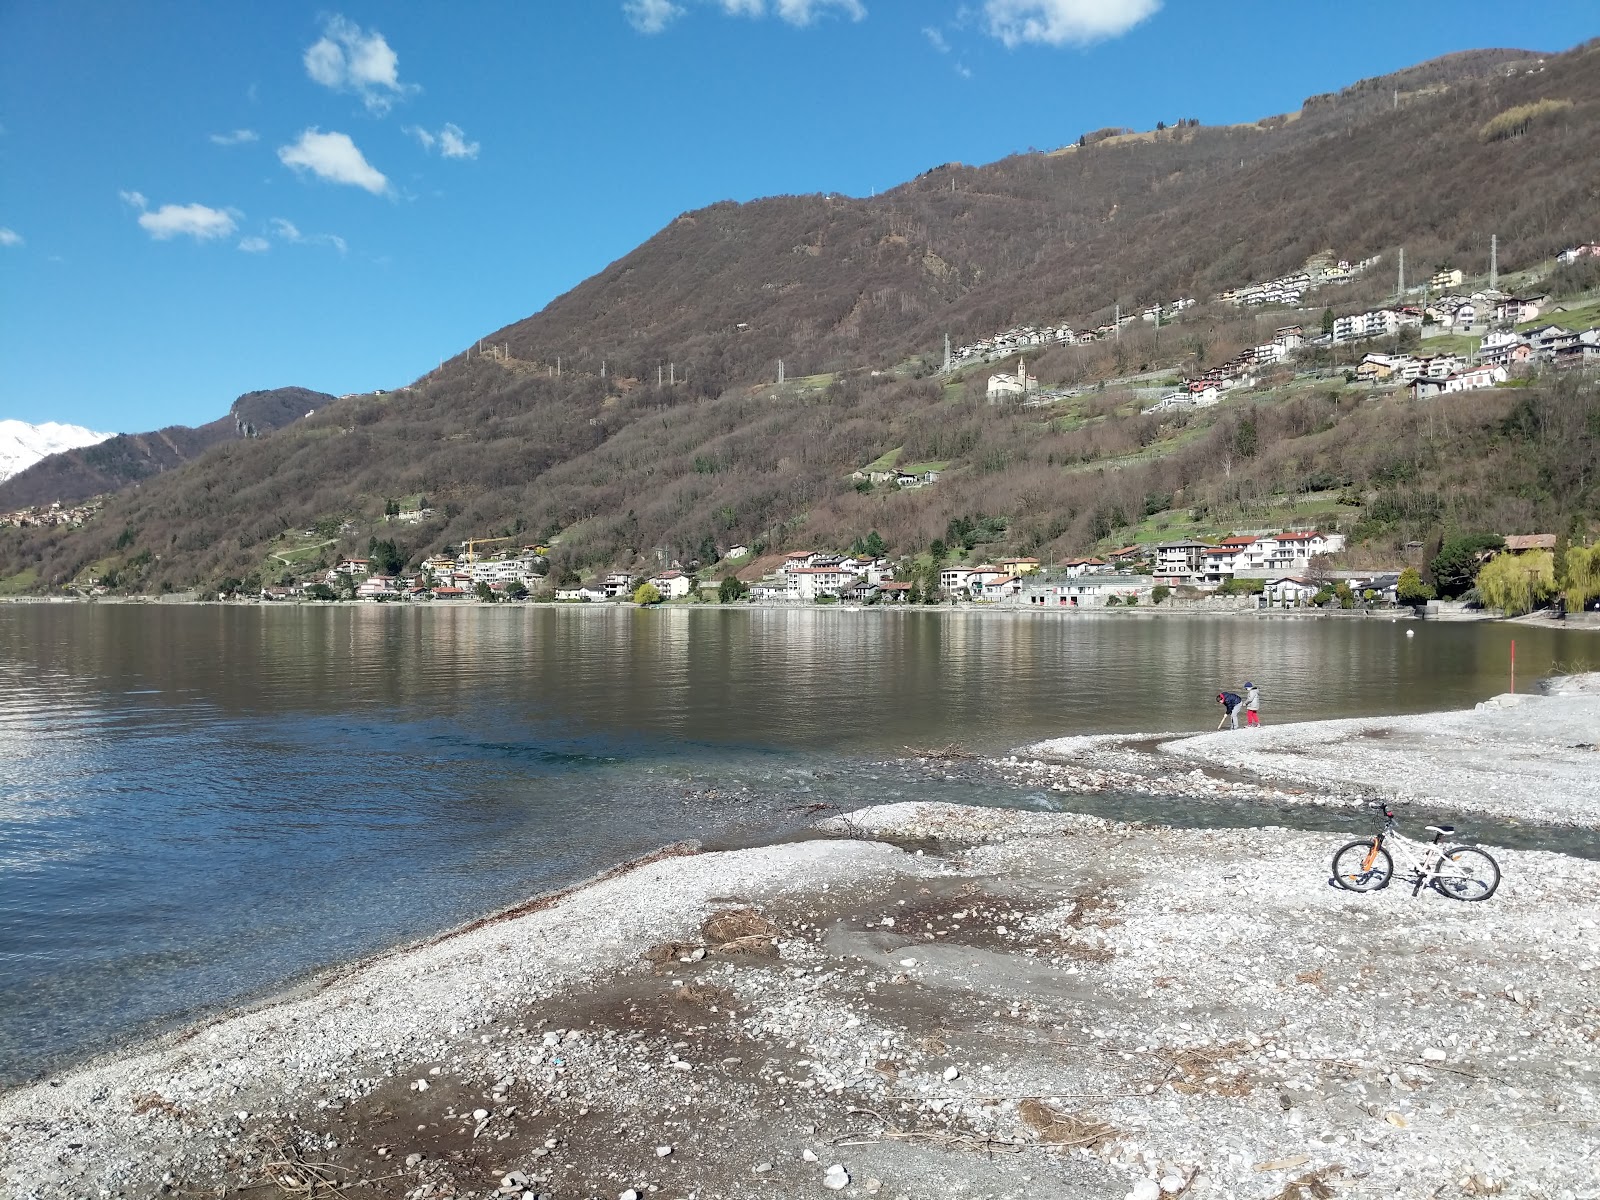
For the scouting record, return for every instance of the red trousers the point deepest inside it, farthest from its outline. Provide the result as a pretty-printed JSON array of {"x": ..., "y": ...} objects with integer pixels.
[{"x": 1251, "y": 717}]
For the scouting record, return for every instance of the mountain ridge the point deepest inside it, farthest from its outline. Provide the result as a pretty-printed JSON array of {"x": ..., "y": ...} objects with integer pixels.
[
  {"x": 22, "y": 444},
  {"x": 855, "y": 296},
  {"x": 117, "y": 461}
]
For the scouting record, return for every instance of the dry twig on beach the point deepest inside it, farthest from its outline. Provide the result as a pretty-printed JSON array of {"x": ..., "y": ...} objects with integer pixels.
[{"x": 954, "y": 752}]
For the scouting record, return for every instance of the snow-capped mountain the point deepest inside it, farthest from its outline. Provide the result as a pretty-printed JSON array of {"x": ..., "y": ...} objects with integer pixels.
[{"x": 22, "y": 445}]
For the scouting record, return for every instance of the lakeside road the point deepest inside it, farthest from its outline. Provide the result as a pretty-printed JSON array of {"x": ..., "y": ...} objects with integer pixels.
[
  {"x": 1524, "y": 757},
  {"x": 938, "y": 999}
]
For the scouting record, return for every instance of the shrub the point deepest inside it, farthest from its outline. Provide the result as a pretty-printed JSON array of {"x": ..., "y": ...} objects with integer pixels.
[
  {"x": 1159, "y": 593},
  {"x": 1583, "y": 576},
  {"x": 731, "y": 588},
  {"x": 1412, "y": 590},
  {"x": 1516, "y": 583},
  {"x": 1515, "y": 122},
  {"x": 647, "y": 593},
  {"x": 1456, "y": 565}
]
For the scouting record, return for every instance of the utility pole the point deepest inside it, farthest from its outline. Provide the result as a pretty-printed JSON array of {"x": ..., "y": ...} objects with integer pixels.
[
  {"x": 558, "y": 366},
  {"x": 946, "y": 370},
  {"x": 1402, "y": 272},
  {"x": 672, "y": 374},
  {"x": 780, "y": 370},
  {"x": 602, "y": 368},
  {"x": 1494, "y": 262},
  {"x": 658, "y": 376},
  {"x": 1116, "y": 322}
]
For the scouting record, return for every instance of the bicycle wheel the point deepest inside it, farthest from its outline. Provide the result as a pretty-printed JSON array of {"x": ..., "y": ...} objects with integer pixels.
[
  {"x": 1466, "y": 873},
  {"x": 1362, "y": 867}
]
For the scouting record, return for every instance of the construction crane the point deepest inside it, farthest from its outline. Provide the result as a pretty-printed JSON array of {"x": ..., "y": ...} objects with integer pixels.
[{"x": 472, "y": 543}]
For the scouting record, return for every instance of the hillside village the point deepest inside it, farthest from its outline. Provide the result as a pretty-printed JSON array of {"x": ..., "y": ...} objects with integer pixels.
[{"x": 1502, "y": 321}]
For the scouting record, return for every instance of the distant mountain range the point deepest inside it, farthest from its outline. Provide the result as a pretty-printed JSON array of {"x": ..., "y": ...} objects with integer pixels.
[
  {"x": 73, "y": 464},
  {"x": 22, "y": 445}
]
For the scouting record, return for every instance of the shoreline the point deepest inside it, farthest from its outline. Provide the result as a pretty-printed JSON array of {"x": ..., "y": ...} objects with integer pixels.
[
  {"x": 783, "y": 1034},
  {"x": 1586, "y": 622}
]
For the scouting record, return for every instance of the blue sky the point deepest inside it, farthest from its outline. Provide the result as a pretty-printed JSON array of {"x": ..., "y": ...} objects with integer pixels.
[{"x": 200, "y": 199}]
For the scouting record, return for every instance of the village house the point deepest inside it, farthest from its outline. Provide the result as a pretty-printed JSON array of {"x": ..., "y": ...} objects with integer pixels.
[
  {"x": 954, "y": 579},
  {"x": 617, "y": 584},
  {"x": 894, "y": 592},
  {"x": 1513, "y": 310},
  {"x": 1522, "y": 543},
  {"x": 1289, "y": 591},
  {"x": 1084, "y": 593},
  {"x": 1446, "y": 277},
  {"x": 673, "y": 585},
  {"x": 449, "y": 592},
  {"x": 1463, "y": 381},
  {"x": 1179, "y": 562},
  {"x": 1589, "y": 250},
  {"x": 812, "y": 583},
  {"x": 1020, "y": 566},
  {"x": 351, "y": 566}
]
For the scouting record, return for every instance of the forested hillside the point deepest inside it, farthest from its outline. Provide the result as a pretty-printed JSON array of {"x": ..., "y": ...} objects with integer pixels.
[{"x": 856, "y": 295}]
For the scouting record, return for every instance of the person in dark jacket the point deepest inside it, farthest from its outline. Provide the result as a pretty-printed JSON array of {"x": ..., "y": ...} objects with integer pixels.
[{"x": 1232, "y": 703}]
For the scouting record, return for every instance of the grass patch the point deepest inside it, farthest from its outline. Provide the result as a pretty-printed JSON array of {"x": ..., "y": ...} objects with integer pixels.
[
  {"x": 885, "y": 461},
  {"x": 919, "y": 468},
  {"x": 1575, "y": 319},
  {"x": 22, "y": 581},
  {"x": 1449, "y": 343}
]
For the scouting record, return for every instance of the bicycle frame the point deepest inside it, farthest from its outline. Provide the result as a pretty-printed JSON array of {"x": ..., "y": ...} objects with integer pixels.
[{"x": 1418, "y": 862}]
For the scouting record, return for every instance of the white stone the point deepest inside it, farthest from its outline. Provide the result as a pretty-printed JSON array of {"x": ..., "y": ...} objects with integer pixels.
[
  {"x": 663, "y": 1151},
  {"x": 1146, "y": 1189},
  {"x": 809, "y": 1154},
  {"x": 950, "y": 1073},
  {"x": 836, "y": 1178}
]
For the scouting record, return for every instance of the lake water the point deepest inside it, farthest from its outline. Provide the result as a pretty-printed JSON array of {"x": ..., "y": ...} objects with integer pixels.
[{"x": 201, "y": 803}]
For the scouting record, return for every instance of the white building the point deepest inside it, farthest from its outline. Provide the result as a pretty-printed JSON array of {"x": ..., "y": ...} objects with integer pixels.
[
  {"x": 812, "y": 583},
  {"x": 673, "y": 585},
  {"x": 1003, "y": 386}
]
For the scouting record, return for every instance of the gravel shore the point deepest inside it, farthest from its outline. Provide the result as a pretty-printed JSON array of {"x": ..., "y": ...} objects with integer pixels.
[
  {"x": 927, "y": 1000},
  {"x": 1533, "y": 758}
]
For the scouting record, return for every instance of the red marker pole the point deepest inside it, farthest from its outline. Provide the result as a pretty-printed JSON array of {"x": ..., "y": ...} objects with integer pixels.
[{"x": 1513, "y": 666}]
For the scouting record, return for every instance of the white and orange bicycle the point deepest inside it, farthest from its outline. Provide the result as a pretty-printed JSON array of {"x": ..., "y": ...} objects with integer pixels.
[{"x": 1459, "y": 872}]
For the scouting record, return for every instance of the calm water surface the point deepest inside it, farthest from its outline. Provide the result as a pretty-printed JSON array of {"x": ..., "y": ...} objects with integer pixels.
[{"x": 198, "y": 804}]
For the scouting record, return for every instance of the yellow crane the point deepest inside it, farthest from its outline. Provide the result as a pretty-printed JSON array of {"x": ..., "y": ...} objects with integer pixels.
[{"x": 472, "y": 543}]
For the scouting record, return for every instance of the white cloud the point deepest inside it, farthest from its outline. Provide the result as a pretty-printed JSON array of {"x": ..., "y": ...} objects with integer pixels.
[
  {"x": 451, "y": 141},
  {"x": 134, "y": 199},
  {"x": 254, "y": 245},
  {"x": 349, "y": 59},
  {"x": 288, "y": 231},
  {"x": 652, "y": 16},
  {"x": 238, "y": 137},
  {"x": 334, "y": 157},
  {"x": 1064, "y": 22},
  {"x": 191, "y": 220},
  {"x": 10, "y": 237},
  {"x": 803, "y": 12},
  {"x": 936, "y": 39}
]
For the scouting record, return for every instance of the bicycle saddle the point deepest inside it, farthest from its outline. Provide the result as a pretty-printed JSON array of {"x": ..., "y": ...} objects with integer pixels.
[{"x": 1447, "y": 830}]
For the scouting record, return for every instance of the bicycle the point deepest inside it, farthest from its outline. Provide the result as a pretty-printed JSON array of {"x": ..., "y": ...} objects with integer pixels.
[{"x": 1457, "y": 872}]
